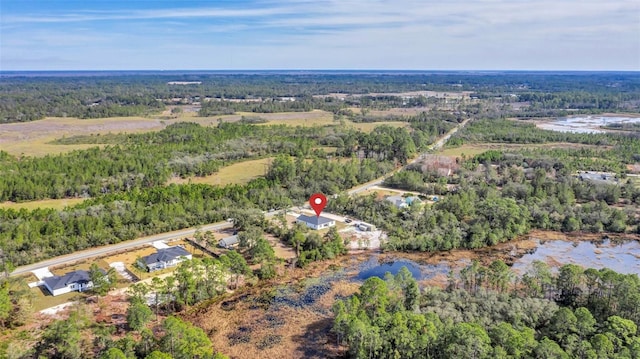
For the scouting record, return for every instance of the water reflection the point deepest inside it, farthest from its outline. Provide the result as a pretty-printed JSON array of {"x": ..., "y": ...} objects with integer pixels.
[
  {"x": 620, "y": 257},
  {"x": 373, "y": 268},
  {"x": 585, "y": 124}
]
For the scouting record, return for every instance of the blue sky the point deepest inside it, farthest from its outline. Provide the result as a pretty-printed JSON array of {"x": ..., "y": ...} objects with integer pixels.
[{"x": 301, "y": 34}]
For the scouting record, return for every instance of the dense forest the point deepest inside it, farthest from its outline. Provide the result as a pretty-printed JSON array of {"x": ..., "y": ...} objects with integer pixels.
[
  {"x": 26, "y": 98},
  {"x": 575, "y": 313},
  {"x": 30, "y": 236},
  {"x": 499, "y": 195}
]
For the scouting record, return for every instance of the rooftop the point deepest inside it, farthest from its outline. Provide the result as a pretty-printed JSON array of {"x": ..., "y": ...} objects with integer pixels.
[
  {"x": 315, "y": 220},
  {"x": 229, "y": 241},
  {"x": 58, "y": 282},
  {"x": 166, "y": 255}
]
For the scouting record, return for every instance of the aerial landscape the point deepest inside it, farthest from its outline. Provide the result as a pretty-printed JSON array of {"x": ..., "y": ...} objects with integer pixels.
[{"x": 300, "y": 179}]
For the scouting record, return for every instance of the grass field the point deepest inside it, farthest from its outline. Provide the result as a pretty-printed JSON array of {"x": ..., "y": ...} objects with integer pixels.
[
  {"x": 241, "y": 172},
  {"x": 380, "y": 193},
  {"x": 57, "y": 204},
  {"x": 32, "y": 138},
  {"x": 467, "y": 150},
  {"x": 35, "y": 138},
  {"x": 369, "y": 126},
  {"x": 470, "y": 150},
  {"x": 304, "y": 119}
]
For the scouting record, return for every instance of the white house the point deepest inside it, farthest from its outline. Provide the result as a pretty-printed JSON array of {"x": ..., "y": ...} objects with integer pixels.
[
  {"x": 164, "y": 258},
  {"x": 78, "y": 281},
  {"x": 316, "y": 222},
  {"x": 403, "y": 202},
  {"x": 398, "y": 201}
]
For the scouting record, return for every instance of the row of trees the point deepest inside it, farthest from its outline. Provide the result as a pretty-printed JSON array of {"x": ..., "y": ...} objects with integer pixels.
[
  {"x": 136, "y": 161},
  {"x": 603, "y": 292}
]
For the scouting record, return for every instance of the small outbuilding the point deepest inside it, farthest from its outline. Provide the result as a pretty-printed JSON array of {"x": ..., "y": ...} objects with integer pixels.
[{"x": 229, "y": 242}]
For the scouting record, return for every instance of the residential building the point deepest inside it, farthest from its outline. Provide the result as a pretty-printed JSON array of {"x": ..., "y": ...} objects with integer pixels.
[
  {"x": 316, "y": 222},
  {"x": 403, "y": 202},
  {"x": 78, "y": 281},
  {"x": 164, "y": 258}
]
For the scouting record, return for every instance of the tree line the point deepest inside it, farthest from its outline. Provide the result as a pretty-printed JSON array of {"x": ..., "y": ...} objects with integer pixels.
[
  {"x": 393, "y": 318},
  {"x": 28, "y": 98}
]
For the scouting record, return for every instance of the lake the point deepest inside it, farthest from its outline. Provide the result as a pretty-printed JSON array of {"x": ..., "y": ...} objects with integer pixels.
[
  {"x": 585, "y": 124},
  {"x": 620, "y": 257}
]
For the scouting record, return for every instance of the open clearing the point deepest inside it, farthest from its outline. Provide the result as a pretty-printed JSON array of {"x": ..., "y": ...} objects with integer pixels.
[
  {"x": 34, "y": 138},
  {"x": 84, "y": 265},
  {"x": 57, "y": 204},
  {"x": 382, "y": 192},
  {"x": 369, "y": 126},
  {"x": 237, "y": 173},
  {"x": 304, "y": 119}
]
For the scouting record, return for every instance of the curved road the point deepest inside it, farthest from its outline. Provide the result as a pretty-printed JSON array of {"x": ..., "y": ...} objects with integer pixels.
[{"x": 100, "y": 251}]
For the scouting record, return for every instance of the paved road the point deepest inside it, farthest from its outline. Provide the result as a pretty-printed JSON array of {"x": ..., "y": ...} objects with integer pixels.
[
  {"x": 100, "y": 251},
  {"x": 95, "y": 252},
  {"x": 433, "y": 147}
]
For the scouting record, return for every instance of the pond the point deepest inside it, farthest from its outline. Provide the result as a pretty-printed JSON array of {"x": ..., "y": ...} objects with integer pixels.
[
  {"x": 621, "y": 257},
  {"x": 373, "y": 268},
  {"x": 585, "y": 124}
]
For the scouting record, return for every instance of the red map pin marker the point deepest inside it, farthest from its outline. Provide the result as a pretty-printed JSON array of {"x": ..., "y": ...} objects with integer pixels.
[{"x": 318, "y": 201}]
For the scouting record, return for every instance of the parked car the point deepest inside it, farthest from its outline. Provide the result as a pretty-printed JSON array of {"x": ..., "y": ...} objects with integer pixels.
[{"x": 347, "y": 220}]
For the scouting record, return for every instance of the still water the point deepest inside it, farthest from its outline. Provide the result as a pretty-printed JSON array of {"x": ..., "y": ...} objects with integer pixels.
[
  {"x": 585, "y": 124},
  {"x": 620, "y": 257},
  {"x": 372, "y": 268}
]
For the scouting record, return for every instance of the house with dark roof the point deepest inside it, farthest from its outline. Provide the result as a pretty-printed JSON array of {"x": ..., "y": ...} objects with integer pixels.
[
  {"x": 78, "y": 280},
  {"x": 229, "y": 242},
  {"x": 164, "y": 258},
  {"x": 316, "y": 222}
]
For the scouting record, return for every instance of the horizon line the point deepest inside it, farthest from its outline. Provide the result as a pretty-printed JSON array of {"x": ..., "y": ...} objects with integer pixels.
[{"x": 314, "y": 70}]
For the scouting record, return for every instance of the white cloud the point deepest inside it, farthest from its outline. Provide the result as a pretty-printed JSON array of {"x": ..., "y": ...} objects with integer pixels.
[{"x": 453, "y": 34}]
